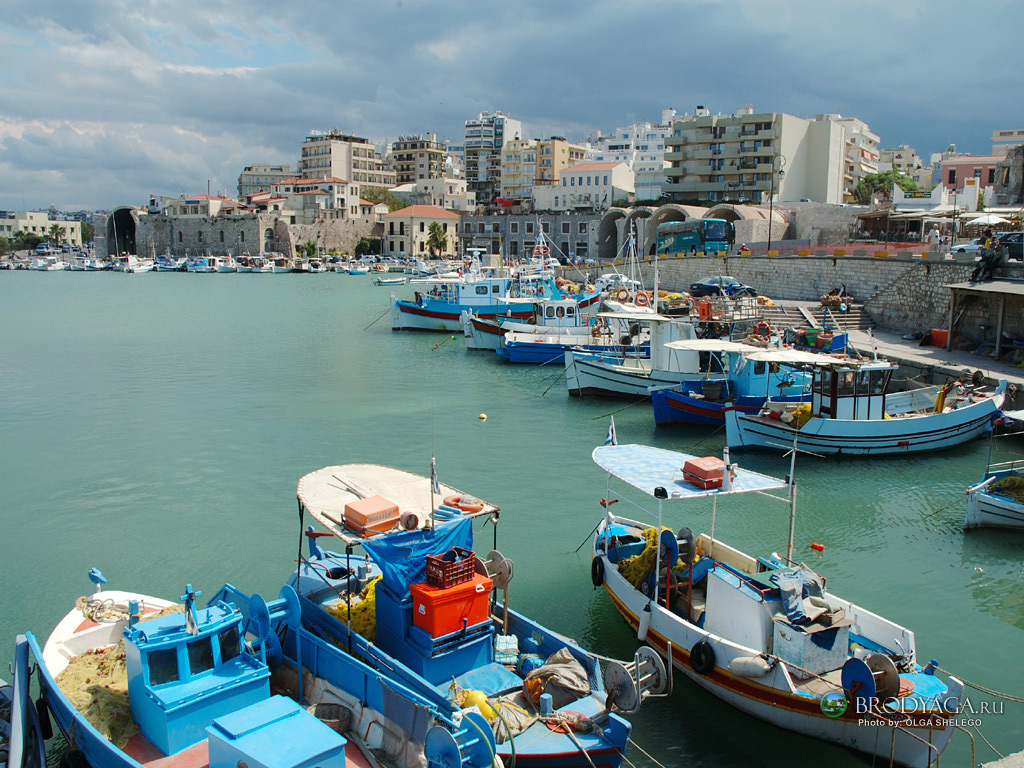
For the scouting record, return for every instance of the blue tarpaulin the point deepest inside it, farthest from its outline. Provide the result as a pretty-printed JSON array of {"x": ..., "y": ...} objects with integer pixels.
[{"x": 402, "y": 555}]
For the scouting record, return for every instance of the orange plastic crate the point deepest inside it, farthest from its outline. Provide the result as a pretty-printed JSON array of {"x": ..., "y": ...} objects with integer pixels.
[
  {"x": 441, "y": 611},
  {"x": 371, "y": 515},
  {"x": 705, "y": 472}
]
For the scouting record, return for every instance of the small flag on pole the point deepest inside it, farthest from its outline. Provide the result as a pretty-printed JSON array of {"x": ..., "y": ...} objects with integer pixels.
[
  {"x": 435, "y": 486},
  {"x": 611, "y": 439}
]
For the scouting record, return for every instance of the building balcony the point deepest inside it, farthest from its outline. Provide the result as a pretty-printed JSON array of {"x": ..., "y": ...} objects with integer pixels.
[{"x": 680, "y": 154}]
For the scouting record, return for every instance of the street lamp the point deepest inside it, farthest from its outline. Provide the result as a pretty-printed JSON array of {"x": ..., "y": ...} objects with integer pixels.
[{"x": 771, "y": 194}]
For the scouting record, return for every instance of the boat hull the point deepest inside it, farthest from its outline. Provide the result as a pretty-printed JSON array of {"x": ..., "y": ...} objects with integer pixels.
[
  {"x": 988, "y": 508},
  {"x": 429, "y": 315},
  {"x": 673, "y": 407},
  {"x": 768, "y": 698},
  {"x": 865, "y": 437}
]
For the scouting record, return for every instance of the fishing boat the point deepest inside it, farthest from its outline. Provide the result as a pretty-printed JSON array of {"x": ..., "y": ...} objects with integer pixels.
[
  {"x": 225, "y": 264},
  {"x": 997, "y": 501},
  {"x": 262, "y": 266},
  {"x": 168, "y": 263},
  {"x": 202, "y": 265},
  {"x": 244, "y": 681},
  {"x": 281, "y": 265},
  {"x": 852, "y": 411},
  {"x": 761, "y": 633},
  {"x": 441, "y": 300},
  {"x": 385, "y": 279},
  {"x": 317, "y": 266},
  {"x": 705, "y": 400},
  {"x": 22, "y": 738},
  {"x": 358, "y": 269},
  {"x": 437, "y": 626},
  {"x": 50, "y": 263}
]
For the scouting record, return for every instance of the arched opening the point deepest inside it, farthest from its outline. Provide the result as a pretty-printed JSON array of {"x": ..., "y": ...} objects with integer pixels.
[
  {"x": 121, "y": 232},
  {"x": 268, "y": 239},
  {"x": 608, "y": 234}
]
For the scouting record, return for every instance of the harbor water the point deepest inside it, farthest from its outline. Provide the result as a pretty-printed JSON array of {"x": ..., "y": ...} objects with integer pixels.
[{"x": 155, "y": 426}]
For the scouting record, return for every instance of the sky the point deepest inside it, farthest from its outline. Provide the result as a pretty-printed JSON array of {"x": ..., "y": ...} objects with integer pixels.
[{"x": 105, "y": 102}]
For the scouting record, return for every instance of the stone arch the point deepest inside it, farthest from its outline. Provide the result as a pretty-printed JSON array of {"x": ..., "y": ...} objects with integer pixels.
[
  {"x": 268, "y": 239},
  {"x": 122, "y": 230},
  {"x": 667, "y": 213},
  {"x": 608, "y": 234}
]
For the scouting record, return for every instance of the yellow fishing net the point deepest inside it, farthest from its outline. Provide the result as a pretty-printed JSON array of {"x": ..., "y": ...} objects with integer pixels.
[
  {"x": 634, "y": 569},
  {"x": 363, "y": 612},
  {"x": 96, "y": 683},
  {"x": 1012, "y": 486}
]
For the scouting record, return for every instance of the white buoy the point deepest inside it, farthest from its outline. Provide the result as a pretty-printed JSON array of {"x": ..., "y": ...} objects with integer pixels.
[
  {"x": 645, "y": 623},
  {"x": 482, "y": 417}
]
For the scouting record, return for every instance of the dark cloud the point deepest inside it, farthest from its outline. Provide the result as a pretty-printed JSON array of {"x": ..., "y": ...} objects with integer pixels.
[{"x": 108, "y": 101}]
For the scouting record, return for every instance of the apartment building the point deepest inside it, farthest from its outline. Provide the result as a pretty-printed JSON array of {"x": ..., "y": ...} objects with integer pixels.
[
  {"x": 1003, "y": 141},
  {"x": 529, "y": 163},
  {"x": 486, "y": 137},
  {"x": 905, "y": 160},
  {"x": 450, "y": 194},
  {"x": 39, "y": 223},
  {"x": 641, "y": 146},
  {"x": 860, "y": 157},
  {"x": 338, "y": 155},
  {"x": 754, "y": 156},
  {"x": 407, "y": 230},
  {"x": 587, "y": 187},
  {"x": 415, "y": 158},
  {"x": 570, "y": 235},
  {"x": 259, "y": 176}
]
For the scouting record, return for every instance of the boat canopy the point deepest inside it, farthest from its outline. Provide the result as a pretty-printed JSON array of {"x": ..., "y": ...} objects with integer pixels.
[
  {"x": 647, "y": 468},
  {"x": 791, "y": 356},
  {"x": 640, "y": 317},
  {"x": 713, "y": 345}
]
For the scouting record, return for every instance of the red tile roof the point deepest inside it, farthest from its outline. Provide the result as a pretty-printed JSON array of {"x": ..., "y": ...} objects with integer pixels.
[{"x": 424, "y": 212}]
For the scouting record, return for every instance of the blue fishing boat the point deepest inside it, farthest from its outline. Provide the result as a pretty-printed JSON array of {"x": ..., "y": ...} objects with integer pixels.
[
  {"x": 437, "y": 627},
  {"x": 241, "y": 682},
  {"x": 749, "y": 383}
]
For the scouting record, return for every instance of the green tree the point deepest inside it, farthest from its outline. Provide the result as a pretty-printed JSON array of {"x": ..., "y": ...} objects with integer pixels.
[
  {"x": 307, "y": 249},
  {"x": 380, "y": 195},
  {"x": 437, "y": 239},
  {"x": 367, "y": 245},
  {"x": 88, "y": 231},
  {"x": 881, "y": 184},
  {"x": 981, "y": 200},
  {"x": 26, "y": 241},
  {"x": 5, "y": 245},
  {"x": 56, "y": 235}
]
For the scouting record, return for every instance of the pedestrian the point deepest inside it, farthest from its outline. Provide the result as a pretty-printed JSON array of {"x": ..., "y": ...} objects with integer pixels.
[{"x": 934, "y": 238}]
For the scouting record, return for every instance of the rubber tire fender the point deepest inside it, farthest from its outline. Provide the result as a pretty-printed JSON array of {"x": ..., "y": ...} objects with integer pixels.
[
  {"x": 702, "y": 658},
  {"x": 597, "y": 571}
]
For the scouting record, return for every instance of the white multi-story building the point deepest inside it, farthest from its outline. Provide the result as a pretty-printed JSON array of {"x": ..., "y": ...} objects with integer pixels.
[
  {"x": 587, "y": 187},
  {"x": 450, "y": 194},
  {"x": 259, "y": 176},
  {"x": 354, "y": 159},
  {"x": 905, "y": 160},
  {"x": 529, "y": 163},
  {"x": 755, "y": 156},
  {"x": 641, "y": 146},
  {"x": 861, "y": 156},
  {"x": 414, "y": 158},
  {"x": 486, "y": 136}
]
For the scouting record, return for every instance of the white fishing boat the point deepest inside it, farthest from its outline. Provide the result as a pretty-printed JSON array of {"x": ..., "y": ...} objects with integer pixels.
[
  {"x": 261, "y": 265},
  {"x": 761, "y": 633},
  {"x": 851, "y": 411},
  {"x": 225, "y": 264},
  {"x": 281, "y": 265},
  {"x": 202, "y": 265},
  {"x": 50, "y": 264},
  {"x": 383, "y": 278},
  {"x": 997, "y": 501}
]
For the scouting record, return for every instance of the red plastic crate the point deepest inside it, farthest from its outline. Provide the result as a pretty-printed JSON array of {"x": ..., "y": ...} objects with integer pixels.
[
  {"x": 705, "y": 472},
  {"x": 440, "y": 611},
  {"x": 449, "y": 570}
]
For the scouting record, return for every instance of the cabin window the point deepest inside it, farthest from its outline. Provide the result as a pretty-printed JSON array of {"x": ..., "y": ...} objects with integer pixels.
[
  {"x": 877, "y": 382},
  {"x": 759, "y": 367},
  {"x": 560, "y": 311},
  {"x": 495, "y": 289},
  {"x": 229, "y": 645},
  {"x": 570, "y": 311},
  {"x": 163, "y": 666},
  {"x": 549, "y": 311},
  {"x": 481, "y": 290},
  {"x": 200, "y": 656},
  {"x": 845, "y": 386}
]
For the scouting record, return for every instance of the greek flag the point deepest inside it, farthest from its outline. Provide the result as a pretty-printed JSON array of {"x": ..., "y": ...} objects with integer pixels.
[
  {"x": 435, "y": 486},
  {"x": 611, "y": 439}
]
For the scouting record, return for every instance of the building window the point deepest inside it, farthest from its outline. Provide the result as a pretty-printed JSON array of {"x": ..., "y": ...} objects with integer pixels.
[
  {"x": 222, "y": 235},
  {"x": 565, "y": 227},
  {"x": 513, "y": 227},
  {"x": 529, "y": 227},
  {"x": 545, "y": 226},
  {"x": 200, "y": 237},
  {"x": 952, "y": 176},
  {"x": 582, "y": 228},
  {"x": 391, "y": 228},
  {"x": 179, "y": 236},
  {"x": 606, "y": 180}
]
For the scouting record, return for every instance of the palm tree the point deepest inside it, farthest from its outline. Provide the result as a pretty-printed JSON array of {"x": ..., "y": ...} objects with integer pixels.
[
  {"x": 56, "y": 233},
  {"x": 437, "y": 239}
]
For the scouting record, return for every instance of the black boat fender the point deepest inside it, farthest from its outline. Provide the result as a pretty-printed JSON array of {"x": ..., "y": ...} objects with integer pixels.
[
  {"x": 702, "y": 658},
  {"x": 597, "y": 571},
  {"x": 43, "y": 713}
]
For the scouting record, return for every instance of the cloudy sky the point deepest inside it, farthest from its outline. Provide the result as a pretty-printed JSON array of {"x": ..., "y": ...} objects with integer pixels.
[{"x": 104, "y": 102}]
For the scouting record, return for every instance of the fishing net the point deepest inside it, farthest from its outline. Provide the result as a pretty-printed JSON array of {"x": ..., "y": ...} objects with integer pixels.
[
  {"x": 362, "y": 612},
  {"x": 96, "y": 684},
  {"x": 1012, "y": 486},
  {"x": 637, "y": 568}
]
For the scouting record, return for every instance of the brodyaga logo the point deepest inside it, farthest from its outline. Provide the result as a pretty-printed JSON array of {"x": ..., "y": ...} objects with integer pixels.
[{"x": 834, "y": 703}]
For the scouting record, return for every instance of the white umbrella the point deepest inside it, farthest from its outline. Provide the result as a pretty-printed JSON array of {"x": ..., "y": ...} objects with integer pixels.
[{"x": 988, "y": 219}]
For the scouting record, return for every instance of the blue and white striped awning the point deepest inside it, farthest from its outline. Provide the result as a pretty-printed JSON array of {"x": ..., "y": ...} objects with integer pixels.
[{"x": 646, "y": 468}]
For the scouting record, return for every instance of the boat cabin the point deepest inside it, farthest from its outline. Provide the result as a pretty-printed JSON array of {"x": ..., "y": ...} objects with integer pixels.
[
  {"x": 853, "y": 392},
  {"x": 191, "y": 677}
]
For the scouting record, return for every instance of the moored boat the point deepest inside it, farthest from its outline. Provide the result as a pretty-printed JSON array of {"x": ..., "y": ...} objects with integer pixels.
[
  {"x": 851, "y": 411},
  {"x": 761, "y": 633},
  {"x": 997, "y": 501},
  {"x": 439, "y": 628}
]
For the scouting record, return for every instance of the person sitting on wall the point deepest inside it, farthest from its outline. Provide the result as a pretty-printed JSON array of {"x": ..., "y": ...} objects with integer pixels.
[{"x": 990, "y": 259}]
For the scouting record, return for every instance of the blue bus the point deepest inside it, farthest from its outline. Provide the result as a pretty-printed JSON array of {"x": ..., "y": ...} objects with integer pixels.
[{"x": 693, "y": 235}]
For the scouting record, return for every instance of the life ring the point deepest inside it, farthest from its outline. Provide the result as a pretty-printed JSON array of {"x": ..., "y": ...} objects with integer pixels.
[
  {"x": 541, "y": 250},
  {"x": 688, "y": 303},
  {"x": 702, "y": 658},
  {"x": 622, "y": 295},
  {"x": 597, "y": 571},
  {"x": 763, "y": 328},
  {"x": 466, "y": 506},
  {"x": 641, "y": 299}
]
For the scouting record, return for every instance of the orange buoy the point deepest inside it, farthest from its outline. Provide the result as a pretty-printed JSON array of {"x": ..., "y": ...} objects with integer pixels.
[{"x": 818, "y": 547}]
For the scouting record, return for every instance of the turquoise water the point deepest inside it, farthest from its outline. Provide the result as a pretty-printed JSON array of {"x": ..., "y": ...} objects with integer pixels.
[{"x": 155, "y": 426}]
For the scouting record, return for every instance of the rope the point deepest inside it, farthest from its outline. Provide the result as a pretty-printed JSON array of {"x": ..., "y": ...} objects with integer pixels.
[
  {"x": 976, "y": 730},
  {"x": 983, "y": 689},
  {"x": 100, "y": 610},
  {"x": 645, "y": 754}
]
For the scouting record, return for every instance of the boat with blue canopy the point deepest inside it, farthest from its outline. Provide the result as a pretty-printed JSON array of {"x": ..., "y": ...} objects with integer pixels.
[
  {"x": 761, "y": 633},
  {"x": 425, "y": 609}
]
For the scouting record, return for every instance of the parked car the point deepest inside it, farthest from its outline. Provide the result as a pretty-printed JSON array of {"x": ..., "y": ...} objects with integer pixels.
[
  {"x": 721, "y": 285},
  {"x": 977, "y": 245},
  {"x": 1013, "y": 242}
]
